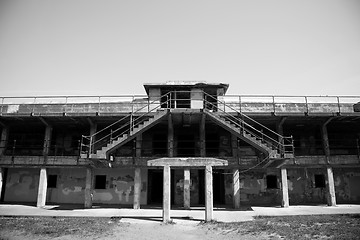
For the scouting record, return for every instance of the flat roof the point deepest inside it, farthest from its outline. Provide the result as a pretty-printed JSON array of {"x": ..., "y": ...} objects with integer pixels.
[{"x": 187, "y": 84}]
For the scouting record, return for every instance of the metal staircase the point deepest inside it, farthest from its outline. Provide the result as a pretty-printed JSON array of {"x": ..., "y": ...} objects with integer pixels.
[
  {"x": 274, "y": 145},
  {"x": 100, "y": 144}
]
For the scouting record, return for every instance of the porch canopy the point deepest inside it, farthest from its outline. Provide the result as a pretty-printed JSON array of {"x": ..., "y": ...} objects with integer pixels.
[{"x": 205, "y": 162}]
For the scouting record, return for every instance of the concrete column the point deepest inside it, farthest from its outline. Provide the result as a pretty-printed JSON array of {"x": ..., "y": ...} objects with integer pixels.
[
  {"x": 284, "y": 188},
  {"x": 236, "y": 188},
  {"x": 138, "y": 145},
  {"x": 41, "y": 198},
  {"x": 331, "y": 197},
  {"x": 47, "y": 142},
  {"x": 170, "y": 136},
  {"x": 4, "y": 140},
  {"x": 137, "y": 188},
  {"x": 202, "y": 136},
  {"x": 234, "y": 146},
  {"x": 166, "y": 194},
  {"x": 325, "y": 140},
  {"x": 89, "y": 187},
  {"x": 208, "y": 194},
  {"x": 187, "y": 188},
  {"x": 1, "y": 181}
]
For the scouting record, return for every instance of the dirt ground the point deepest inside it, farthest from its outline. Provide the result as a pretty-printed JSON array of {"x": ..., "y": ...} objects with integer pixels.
[{"x": 286, "y": 227}]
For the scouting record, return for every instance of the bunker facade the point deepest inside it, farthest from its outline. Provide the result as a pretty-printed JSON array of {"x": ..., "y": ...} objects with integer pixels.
[{"x": 182, "y": 144}]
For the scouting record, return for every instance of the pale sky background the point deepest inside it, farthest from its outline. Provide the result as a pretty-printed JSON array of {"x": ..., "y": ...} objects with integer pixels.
[{"x": 112, "y": 47}]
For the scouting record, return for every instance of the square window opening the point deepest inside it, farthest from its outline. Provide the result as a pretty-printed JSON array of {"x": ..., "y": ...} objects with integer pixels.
[
  {"x": 320, "y": 181},
  {"x": 100, "y": 182},
  {"x": 271, "y": 182},
  {"x": 52, "y": 181}
]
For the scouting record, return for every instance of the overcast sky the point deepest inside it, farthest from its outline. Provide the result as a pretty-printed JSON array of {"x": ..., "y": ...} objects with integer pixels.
[{"x": 102, "y": 47}]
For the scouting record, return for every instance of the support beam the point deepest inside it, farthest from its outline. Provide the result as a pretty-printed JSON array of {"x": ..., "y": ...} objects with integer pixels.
[
  {"x": 284, "y": 188},
  {"x": 137, "y": 188},
  {"x": 4, "y": 140},
  {"x": 236, "y": 188},
  {"x": 89, "y": 187},
  {"x": 202, "y": 136},
  {"x": 187, "y": 188},
  {"x": 331, "y": 197},
  {"x": 41, "y": 198},
  {"x": 170, "y": 136},
  {"x": 166, "y": 194},
  {"x": 208, "y": 194}
]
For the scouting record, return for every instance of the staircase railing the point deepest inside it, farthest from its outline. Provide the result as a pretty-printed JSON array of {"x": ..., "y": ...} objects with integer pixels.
[
  {"x": 283, "y": 145},
  {"x": 125, "y": 125}
]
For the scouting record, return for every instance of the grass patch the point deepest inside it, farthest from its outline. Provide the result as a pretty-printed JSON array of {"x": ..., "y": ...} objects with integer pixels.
[
  {"x": 297, "y": 227},
  {"x": 57, "y": 226}
]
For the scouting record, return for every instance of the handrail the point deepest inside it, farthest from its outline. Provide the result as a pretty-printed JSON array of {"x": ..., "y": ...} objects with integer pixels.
[
  {"x": 280, "y": 144},
  {"x": 129, "y": 126},
  {"x": 277, "y": 141}
]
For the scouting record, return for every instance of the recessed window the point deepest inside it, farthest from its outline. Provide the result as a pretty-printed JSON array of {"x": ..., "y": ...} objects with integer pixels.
[
  {"x": 320, "y": 181},
  {"x": 52, "y": 181},
  {"x": 271, "y": 181},
  {"x": 100, "y": 182}
]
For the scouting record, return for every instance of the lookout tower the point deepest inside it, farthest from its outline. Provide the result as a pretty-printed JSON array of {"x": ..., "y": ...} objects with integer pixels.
[{"x": 186, "y": 94}]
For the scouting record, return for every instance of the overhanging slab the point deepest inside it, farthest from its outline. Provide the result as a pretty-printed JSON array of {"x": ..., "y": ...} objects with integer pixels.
[{"x": 187, "y": 162}]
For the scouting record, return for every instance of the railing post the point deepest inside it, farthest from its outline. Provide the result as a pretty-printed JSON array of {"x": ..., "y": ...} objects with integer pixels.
[
  {"x": 99, "y": 105},
  {"x": 274, "y": 107},
  {"x": 338, "y": 102},
  {"x": 240, "y": 103},
  {"x": 306, "y": 104},
  {"x": 90, "y": 146}
]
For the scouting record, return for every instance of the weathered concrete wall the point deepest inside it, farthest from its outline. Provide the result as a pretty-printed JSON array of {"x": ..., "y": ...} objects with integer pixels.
[
  {"x": 70, "y": 186},
  {"x": 22, "y": 185},
  {"x": 179, "y": 187},
  {"x": 302, "y": 189},
  {"x": 347, "y": 182},
  {"x": 120, "y": 187}
]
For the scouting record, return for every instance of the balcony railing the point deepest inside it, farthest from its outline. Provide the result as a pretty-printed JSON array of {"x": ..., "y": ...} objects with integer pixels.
[{"x": 45, "y": 105}]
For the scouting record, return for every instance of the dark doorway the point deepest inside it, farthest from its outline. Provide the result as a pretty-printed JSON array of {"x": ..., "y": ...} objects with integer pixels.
[
  {"x": 155, "y": 182},
  {"x": 186, "y": 145},
  {"x": 201, "y": 186},
  {"x": 218, "y": 186}
]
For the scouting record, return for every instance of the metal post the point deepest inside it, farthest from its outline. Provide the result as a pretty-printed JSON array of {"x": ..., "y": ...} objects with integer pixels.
[
  {"x": 306, "y": 104},
  {"x": 338, "y": 101}
]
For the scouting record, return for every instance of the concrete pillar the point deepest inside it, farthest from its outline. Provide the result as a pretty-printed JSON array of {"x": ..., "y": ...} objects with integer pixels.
[
  {"x": 331, "y": 197},
  {"x": 4, "y": 140},
  {"x": 138, "y": 145},
  {"x": 137, "y": 188},
  {"x": 89, "y": 187},
  {"x": 202, "y": 136},
  {"x": 166, "y": 194},
  {"x": 325, "y": 140},
  {"x": 170, "y": 136},
  {"x": 234, "y": 146},
  {"x": 1, "y": 181},
  {"x": 284, "y": 188},
  {"x": 93, "y": 129},
  {"x": 236, "y": 188},
  {"x": 41, "y": 198},
  {"x": 47, "y": 142},
  {"x": 208, "y": 194},
  {"x": 187, "y": 188}
]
